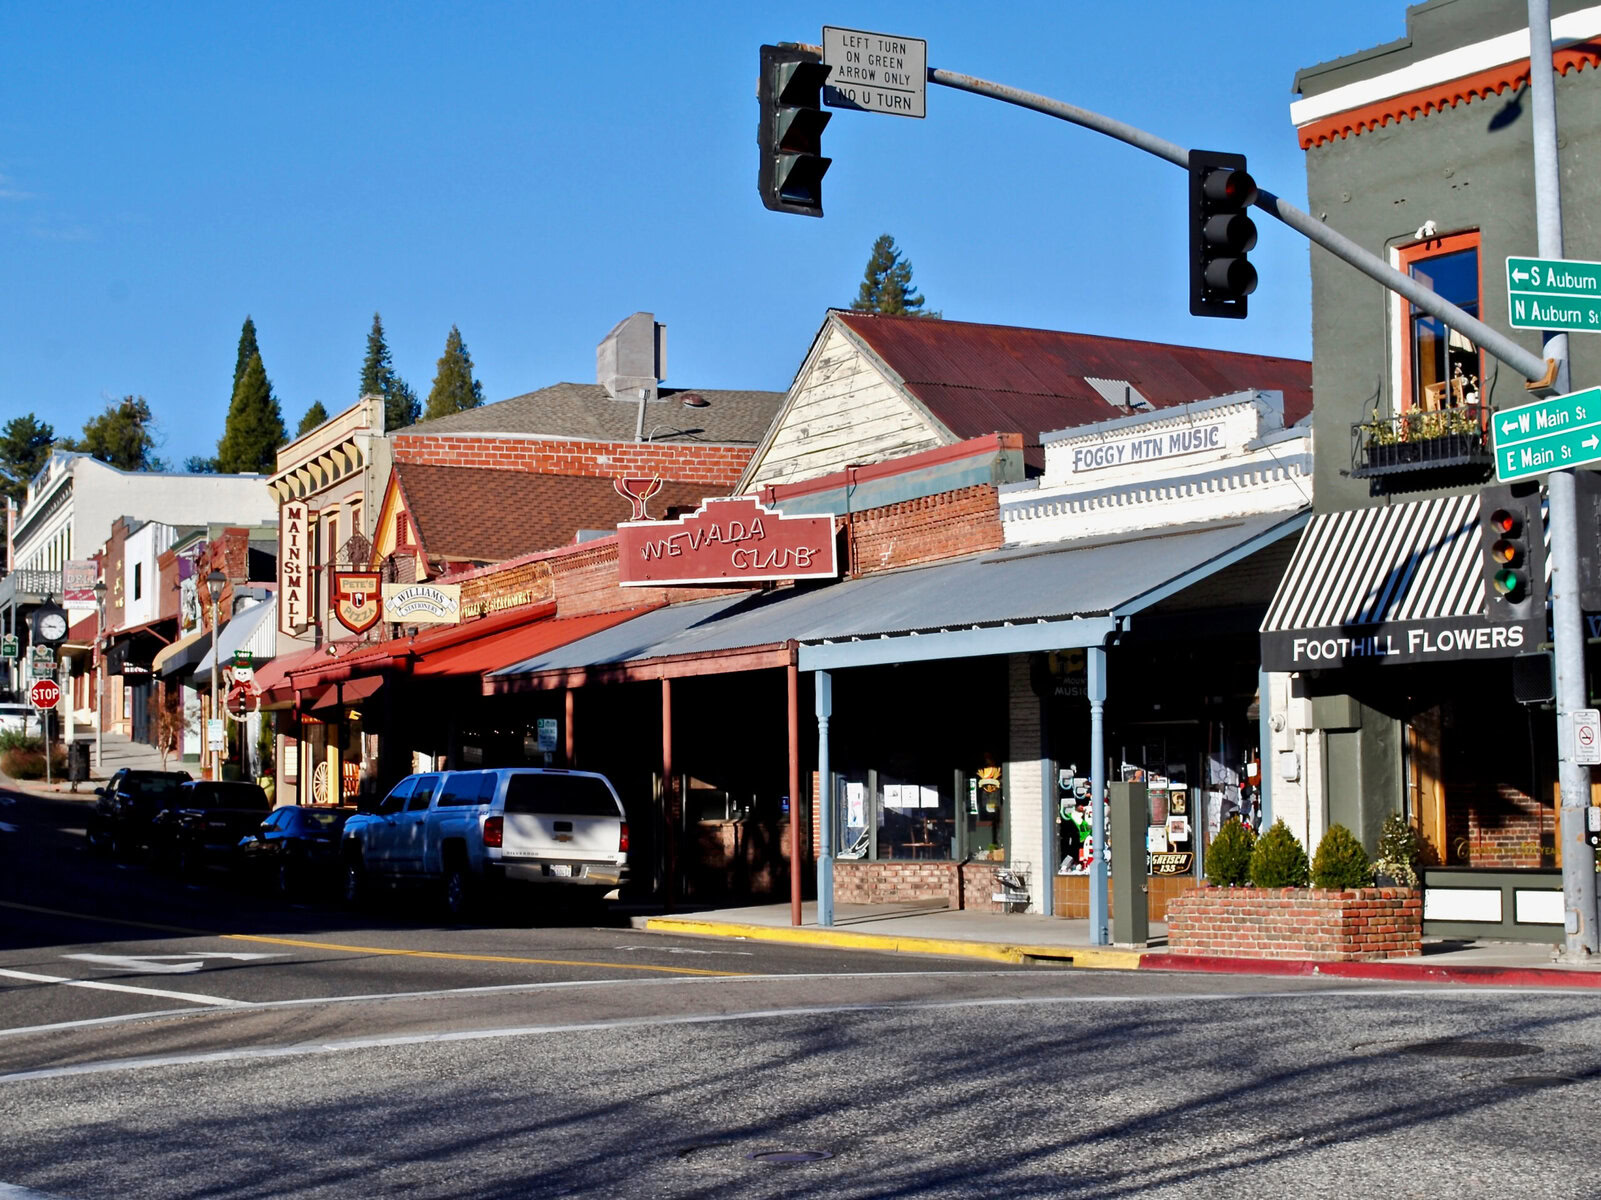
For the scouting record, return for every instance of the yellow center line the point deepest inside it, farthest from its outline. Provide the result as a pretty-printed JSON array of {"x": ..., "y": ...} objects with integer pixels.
[{"x": 308, "y": 944}]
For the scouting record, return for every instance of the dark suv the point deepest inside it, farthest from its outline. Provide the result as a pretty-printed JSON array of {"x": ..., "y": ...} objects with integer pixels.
[
  {"x": 203, "y": 823},
  {"x": 129, "y": 801}
]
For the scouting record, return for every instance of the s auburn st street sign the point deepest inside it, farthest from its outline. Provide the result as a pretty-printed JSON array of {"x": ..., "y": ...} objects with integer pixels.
[
  {"x": 1548, "y": 435},
  {"x": 1554, "y": 293}
]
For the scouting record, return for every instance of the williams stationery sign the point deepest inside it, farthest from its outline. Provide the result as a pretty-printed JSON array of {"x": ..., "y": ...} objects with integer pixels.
[
  {"x": 356, "y": 599},
  {"x": 422, "y": 603},
  {"x": 726, "y": 541}
]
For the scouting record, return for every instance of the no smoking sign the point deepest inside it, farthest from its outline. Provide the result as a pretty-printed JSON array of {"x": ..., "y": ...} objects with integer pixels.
[{"x": 1587, "y": 736}]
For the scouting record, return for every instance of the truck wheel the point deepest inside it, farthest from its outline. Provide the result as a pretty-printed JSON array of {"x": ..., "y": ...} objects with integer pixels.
[{"x": 458, "y": 889}]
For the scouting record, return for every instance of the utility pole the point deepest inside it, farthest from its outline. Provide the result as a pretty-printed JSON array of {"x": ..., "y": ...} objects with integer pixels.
[{"x": 1567, "y": 619}]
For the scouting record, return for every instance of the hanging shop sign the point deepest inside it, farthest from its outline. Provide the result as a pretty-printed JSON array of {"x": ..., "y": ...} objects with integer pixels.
[
  {"x": 422, "y": 603},
  {"x": 356, "y": 599},
  {"x": 735, "y": 540},
  {"x": 78, "y": 579},
  {"x": 294, "y": 562},
  {"x": 1172, "y": 862},
  {"x": 1396, "y": 643}
]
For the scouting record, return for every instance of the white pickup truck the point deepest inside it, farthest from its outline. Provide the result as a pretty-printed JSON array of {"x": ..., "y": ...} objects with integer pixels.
[{"x": 462, "y": 831}]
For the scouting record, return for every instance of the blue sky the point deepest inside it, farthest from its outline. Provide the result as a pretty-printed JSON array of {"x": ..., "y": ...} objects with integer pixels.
[{"x": 534, "y": 172}]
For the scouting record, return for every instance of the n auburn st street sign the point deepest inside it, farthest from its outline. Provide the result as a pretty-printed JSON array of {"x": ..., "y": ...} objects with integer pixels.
[
  {"x": 735, "y": 540},
  {"x": 1548, "y": 435}
]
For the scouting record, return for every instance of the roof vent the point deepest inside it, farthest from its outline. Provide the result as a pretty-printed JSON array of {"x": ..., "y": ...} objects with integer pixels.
[
  {"x": 694, "y": 400},
  {"x": 1120, "y": 393},
  {"x": 632, "y": 357}
]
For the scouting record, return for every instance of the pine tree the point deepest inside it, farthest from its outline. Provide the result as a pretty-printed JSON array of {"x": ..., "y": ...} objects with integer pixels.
[
  {"x": 887, "y": 285},
  {"x": 121, "y": 436},
  {"x": 454, "y": 387},
  {"x": 315, "y": 416},
  {"x": 247, "y": 350},
  {"x": 255, "y": 426},
  {"x": 378, "y": 378},
  {"x": 25, "y": 444}
]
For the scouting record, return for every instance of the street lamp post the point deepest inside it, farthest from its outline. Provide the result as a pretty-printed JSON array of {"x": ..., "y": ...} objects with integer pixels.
[
  {"x": 100, "y": 666},
  {"x": 214, "y": 583}
]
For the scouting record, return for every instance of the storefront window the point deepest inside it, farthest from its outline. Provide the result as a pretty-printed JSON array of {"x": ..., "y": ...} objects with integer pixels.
[{"x": 1442, "y": 365}]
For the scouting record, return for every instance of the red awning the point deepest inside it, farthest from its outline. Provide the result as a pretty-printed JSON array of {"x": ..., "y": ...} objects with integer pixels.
[
  {"x": 508, "y": 646},
  {"x": 342, "y": 695},
  {"x": 273, "y": 677}
]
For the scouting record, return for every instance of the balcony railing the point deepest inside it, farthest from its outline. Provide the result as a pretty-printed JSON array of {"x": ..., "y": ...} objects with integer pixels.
[
  {"x": 1419, "y": 440},
  {"x": 29, "y": 584}
]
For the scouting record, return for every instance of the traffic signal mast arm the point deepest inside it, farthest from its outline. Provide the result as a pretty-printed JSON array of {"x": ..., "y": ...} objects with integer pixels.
[{"x": 1531, "y": 366}]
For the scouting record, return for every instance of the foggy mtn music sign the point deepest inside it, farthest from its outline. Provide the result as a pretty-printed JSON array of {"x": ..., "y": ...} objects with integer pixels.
[{"x": 735, "y": 540}]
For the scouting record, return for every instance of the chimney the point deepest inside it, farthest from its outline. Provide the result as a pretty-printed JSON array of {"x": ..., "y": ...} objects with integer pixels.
[{"x": 633, "y": 356}]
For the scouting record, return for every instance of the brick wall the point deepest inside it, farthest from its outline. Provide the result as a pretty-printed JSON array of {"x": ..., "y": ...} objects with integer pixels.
[
  {"x": 718, "y": 466},
  {"x": 1500, "y": 828},
  {"x": 957, "y": 885},
  {"x": 927, "y": 529},
  {"x": 1316, "y": 923}
]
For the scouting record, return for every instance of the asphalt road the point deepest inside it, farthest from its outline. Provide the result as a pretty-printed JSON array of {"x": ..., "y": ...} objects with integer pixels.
[{"x": 145, "y": 1053}]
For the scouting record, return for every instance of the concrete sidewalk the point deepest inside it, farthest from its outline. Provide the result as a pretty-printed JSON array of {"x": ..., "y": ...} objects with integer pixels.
[
  {"x": 117, "y": 750},
  {"x": 1027, "y": 938}
]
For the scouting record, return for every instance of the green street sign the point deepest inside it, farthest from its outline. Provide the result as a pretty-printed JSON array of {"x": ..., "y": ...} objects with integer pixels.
[
  {"x": 8, "y": 646},
  {"x": 1554, "y": 293},
  {"x": 1548, "y": 435}
]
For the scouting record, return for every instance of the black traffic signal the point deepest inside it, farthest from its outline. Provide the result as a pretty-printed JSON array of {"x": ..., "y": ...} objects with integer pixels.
[
  {"x": 1513, "y": 538},
  {"x": 1221, "y": 232},
  {"x": 790, "y": 135}
]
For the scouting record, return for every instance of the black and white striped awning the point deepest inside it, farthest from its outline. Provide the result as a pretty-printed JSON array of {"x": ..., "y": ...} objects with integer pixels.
[{"x": 1401, "y": 583}]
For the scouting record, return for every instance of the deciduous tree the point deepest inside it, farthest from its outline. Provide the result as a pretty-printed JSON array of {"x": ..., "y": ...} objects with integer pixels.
[
  {"x": 454, "y": 387},
  {"x": 25, "y": 443}
]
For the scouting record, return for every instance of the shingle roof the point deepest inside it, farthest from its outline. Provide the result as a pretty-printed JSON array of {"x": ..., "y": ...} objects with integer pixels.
[
  {"x": 585, "y": 410},
  {"x": 489, "y": 516},
  {"x": 980, "y": 379}
]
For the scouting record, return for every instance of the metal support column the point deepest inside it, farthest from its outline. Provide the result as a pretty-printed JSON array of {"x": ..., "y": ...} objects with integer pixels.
[
  {"x": 824, "y": 684},
  {"x": 1264, "y": 752},
  {"x": 792, "y": 680},
  {"x": 1095, "y": 657},
  {"x": 1046, "y": 874},
  {"x": 669, "y": 820},
  {"x": 1567, "y": 620}
]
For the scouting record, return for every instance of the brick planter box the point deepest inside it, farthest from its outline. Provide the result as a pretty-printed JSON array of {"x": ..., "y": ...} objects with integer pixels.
[
  {"x": 1316, "y": 923},
  {"x": 958, "y": 885}
]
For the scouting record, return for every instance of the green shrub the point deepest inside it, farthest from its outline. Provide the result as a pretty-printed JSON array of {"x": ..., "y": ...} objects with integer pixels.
[
  {"x": 1400, "y": 847},
  {"x": 29, "y": 764},
  {"x": 1340, "y": 861},
  {"x": 1228, "y": 858},
  {"x": 15, "y": 739},
  {"x": 1278, "y": 860}
]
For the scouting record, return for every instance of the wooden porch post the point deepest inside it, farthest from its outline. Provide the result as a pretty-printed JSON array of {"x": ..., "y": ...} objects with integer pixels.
[
  {"x": 669, "y": 822},
  {"x": 567, "y": 700}
]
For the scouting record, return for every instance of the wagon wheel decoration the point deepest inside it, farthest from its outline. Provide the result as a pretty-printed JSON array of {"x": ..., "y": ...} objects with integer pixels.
[{"x": 319, "y": 783}]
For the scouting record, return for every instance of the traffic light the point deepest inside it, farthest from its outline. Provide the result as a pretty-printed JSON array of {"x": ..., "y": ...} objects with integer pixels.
[
  {"x": 1221, "y": 232},
  {"x": 1513, "y": 538},
  {"x": 790, "y": 135}
]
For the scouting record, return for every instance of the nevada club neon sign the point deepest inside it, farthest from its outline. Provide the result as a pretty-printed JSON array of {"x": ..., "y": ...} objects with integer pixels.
[{"x": 735, "y": 540}]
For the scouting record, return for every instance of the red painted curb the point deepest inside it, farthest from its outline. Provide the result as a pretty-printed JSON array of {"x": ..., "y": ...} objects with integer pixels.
[{"x": 1395, "y": 971}]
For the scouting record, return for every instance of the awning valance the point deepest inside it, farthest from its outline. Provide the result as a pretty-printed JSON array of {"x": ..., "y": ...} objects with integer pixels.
[
  {"x": 182, "y": 655},
  {"x": 1015, "y": 600},
  {"x": 1388, "y": 585}
]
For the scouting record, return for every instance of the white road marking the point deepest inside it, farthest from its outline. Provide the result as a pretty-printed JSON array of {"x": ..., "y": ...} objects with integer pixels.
[
  {"x": 10, "y": 1191},
  {"x": 687, "y": 950},
  {"x": 392, "y": 1041},
  {"x": 162, "y": 964},
  {"x": 100, "y": 986}
]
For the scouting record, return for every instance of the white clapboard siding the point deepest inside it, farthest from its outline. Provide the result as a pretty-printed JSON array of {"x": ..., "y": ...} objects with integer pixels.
[{"x": 842, "y": 411}]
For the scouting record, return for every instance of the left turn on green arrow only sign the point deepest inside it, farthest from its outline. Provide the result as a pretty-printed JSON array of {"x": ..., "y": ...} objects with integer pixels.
[{"x": 1548, "y": 435}]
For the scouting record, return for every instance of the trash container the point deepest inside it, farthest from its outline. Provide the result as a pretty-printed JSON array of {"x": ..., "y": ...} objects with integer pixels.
[{"x": 77, "y": 761}]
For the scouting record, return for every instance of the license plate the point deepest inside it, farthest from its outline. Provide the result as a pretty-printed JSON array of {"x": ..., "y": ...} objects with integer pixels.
[{"x": 562, "y": 870}]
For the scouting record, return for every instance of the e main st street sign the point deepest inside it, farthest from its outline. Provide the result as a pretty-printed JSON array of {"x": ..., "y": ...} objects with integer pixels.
[
  {"x": 1554, "y": 293},
  {"x": 1548, "y": 435}
]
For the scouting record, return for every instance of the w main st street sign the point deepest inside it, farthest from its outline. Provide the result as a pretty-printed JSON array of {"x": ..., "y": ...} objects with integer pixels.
[{"x": 1548, "y": 435}]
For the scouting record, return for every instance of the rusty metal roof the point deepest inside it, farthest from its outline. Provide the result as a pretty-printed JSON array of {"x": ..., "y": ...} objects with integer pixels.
[{"x": 980, "y": 379}]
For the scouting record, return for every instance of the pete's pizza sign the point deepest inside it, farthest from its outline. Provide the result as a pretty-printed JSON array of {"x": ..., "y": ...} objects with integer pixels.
[{"x": 726, "y": 541}]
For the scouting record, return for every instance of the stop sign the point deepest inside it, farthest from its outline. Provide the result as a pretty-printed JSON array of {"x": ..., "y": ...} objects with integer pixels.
[{"x": 45, "y": 693}]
